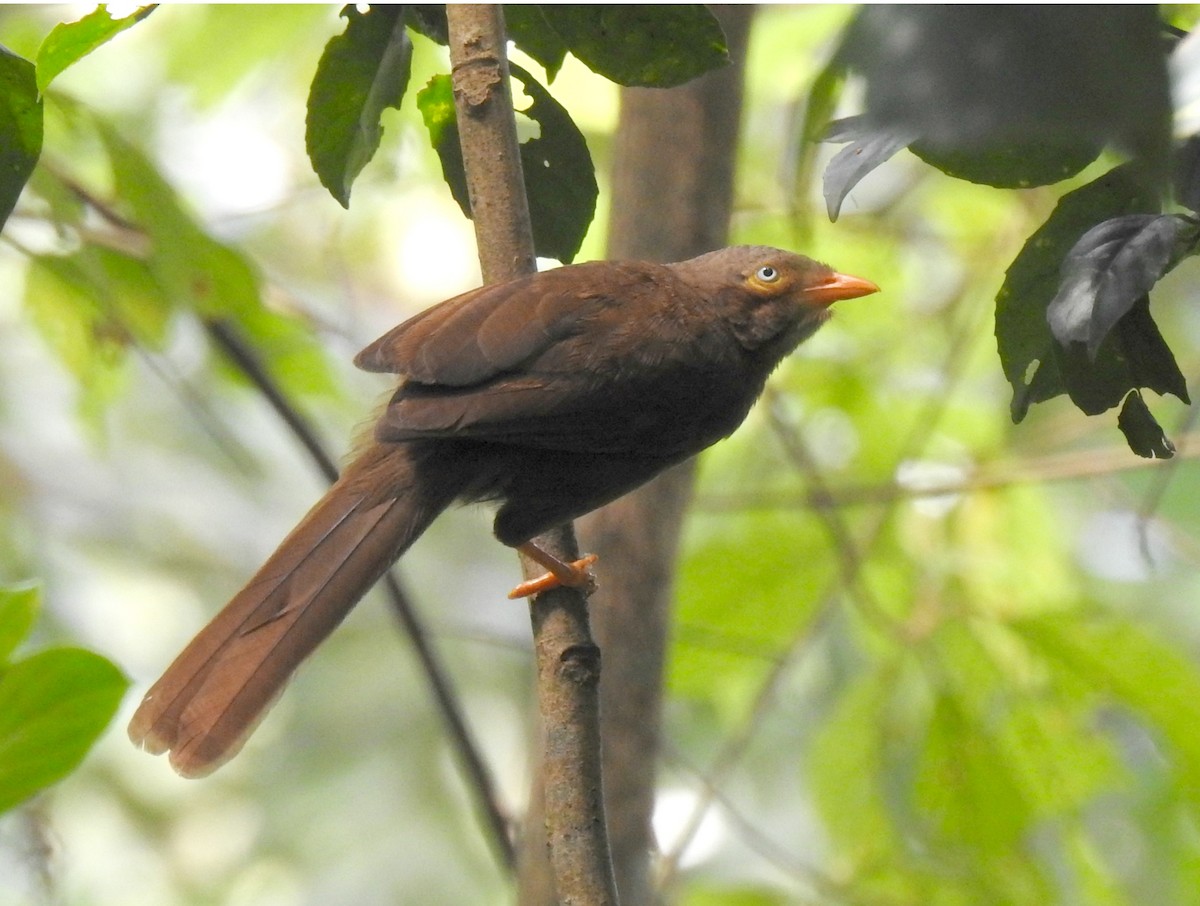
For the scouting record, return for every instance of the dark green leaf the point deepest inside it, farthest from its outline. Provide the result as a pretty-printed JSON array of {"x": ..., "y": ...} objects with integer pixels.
[
  {"x": 867, "y": 149},
  {"x": 1020, "y": 165},
  {"x": 20, "y": 128},
  {"x": 1108, "y": 269},
  {"x": 69, "y": 42},
  {"x": 1142, "y": 432},
  {"x": 651, "y": 45},
  {"x": 971, "y": 77},
  {"x": 529, "y": 30},
  {"x": 560, "y": 180},
  {"x": 19, "y": 606},
  {"x": 362, "y": 72},
  {"x": 428, "y": 19},
  {"x": 1027, "y": 350},
  {"x": 1133, "y": 355},
  {"x": 53, "y": 707}
]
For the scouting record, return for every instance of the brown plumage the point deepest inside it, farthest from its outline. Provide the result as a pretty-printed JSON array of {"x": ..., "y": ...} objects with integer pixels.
[{"x": 550, "y": 395}]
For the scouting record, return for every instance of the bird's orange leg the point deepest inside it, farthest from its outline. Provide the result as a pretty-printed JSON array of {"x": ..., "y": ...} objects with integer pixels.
[{"x": 572, "y": 575}]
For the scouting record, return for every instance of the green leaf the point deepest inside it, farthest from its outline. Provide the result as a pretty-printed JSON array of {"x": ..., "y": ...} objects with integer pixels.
[
  {"x": 20, "y": 128},
  {"x": 63, "y": 304},
  {"x": 1027, "y": 349},
  {"x": 528, "y": 29},
  {"x": 976, "y": 77},
  {"x": 780, "y": 603},
  {"x": 69, "y": 42},
  {"x": 1106, "y": 272},
  {"x": 819, "y": 109},
  {"x": 560, "y": 180},
  {"x": 847, "y": 772},
  {"x": 362, "y": 72},
  {"x": 89, "y": 307},
  {"x": 649, "y": 45},
  {"x": 1133, "y": 355},
  {"x": 207, "y": 277},
  {"x": 428, "y": 19},
  {"x": 19, "y": 606},
  {"x": 436, "y": 103},
  {"x": 965, "y": 786},
  {"x": 53, "y": 706},
  {"x": 1142, "y": 431},
  {"x": 1013, "y": 165},
  {"x": 1123, "y": 663}
]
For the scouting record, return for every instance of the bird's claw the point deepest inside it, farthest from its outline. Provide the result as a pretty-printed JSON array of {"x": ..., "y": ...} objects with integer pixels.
[{"x": 576, "y": 575}]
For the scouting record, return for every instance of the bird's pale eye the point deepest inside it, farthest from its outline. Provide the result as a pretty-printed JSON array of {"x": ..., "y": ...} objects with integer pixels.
[{"x": 767, "y": 273}]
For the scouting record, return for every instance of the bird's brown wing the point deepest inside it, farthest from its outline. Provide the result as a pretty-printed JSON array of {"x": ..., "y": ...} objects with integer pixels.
[
  {"x": 555, "y": 361},
  {"x": 496, "y": 329}
]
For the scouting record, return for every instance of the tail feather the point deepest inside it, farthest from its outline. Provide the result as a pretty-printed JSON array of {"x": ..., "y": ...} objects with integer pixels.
[{"x": 218, "y": 689}]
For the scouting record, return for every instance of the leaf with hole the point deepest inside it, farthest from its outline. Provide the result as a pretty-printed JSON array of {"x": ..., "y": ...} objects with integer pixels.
[
  {"x": 560, "y": 179},
  {"x": 1027, "y": 349}
]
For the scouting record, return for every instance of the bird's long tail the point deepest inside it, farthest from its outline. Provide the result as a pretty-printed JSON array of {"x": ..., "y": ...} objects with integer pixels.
[{"x": 216, "y": 691}]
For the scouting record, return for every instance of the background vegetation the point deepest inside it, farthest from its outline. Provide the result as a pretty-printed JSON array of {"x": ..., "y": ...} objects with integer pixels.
[{"x": 920, "y": 654}]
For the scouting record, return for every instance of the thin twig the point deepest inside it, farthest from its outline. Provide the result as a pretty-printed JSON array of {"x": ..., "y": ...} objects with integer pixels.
[{"x": 1070, "y": 466}]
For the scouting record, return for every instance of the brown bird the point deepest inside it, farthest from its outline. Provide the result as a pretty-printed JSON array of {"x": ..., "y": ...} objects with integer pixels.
[{"x": 550, "y": 395}]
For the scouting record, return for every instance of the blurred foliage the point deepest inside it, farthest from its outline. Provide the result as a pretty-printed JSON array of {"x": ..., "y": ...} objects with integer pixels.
[
  {"x": 53, "y": 704},
  {"x": 1028, "y": 96},
  {"x": 923, "y": 656}
]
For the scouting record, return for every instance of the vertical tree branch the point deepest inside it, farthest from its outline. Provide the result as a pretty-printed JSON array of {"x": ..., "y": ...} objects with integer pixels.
[
  {"x": 665, "y": 207},
  {"x": 568, "y": 661}
]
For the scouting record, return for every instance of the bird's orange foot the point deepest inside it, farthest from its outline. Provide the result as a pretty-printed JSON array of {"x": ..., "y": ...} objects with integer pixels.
[{"x": 560, "y": 573}]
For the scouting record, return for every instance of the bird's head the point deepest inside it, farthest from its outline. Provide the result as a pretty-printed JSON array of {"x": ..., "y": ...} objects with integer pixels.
[{"x": 771, "y": 299}]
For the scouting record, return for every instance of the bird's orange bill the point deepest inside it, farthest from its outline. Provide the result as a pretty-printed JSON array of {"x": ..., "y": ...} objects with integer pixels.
[
  {"x": 561, "y": 573},
  {"x": 837, "y": 286}
]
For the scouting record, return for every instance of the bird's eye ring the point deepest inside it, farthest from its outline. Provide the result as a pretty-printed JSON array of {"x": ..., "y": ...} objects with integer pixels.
[{"x": 767, "y": 273}]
